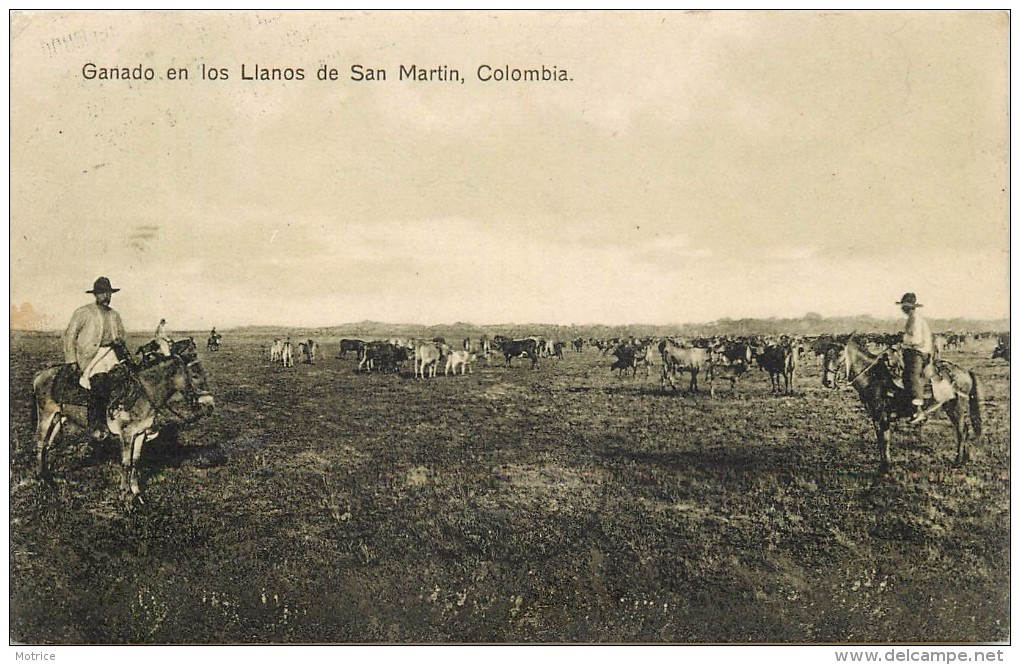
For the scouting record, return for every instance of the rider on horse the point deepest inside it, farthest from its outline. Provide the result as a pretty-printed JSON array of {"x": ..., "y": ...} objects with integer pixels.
[
  {"x": 93, "y": 343},
  {"x": 162, "y": 339},
  {"x": 918, "y": 347}
]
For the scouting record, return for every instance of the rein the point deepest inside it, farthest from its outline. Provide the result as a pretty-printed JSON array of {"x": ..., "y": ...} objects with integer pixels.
[{"x": 868, "y": 368}]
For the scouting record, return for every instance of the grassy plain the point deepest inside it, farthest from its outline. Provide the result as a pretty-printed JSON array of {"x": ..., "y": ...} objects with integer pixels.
[{"x": 318, "y": 505}]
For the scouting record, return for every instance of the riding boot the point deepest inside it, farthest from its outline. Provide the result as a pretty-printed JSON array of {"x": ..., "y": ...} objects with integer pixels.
[{"x": 99, "y": 396}]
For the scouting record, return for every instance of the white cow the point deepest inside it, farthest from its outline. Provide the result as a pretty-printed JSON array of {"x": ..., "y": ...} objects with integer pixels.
[
  {"x": 463, "y": 359},
  {"x": 276, "y": 350},
  {"x": 426, "y": 355},
  {"x": 287, "y": 354}
]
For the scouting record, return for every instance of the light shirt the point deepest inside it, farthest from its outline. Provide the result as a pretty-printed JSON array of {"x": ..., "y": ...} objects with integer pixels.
[
  {"x": 109, "y": 326},
  {"x": 917, "y": 335}
]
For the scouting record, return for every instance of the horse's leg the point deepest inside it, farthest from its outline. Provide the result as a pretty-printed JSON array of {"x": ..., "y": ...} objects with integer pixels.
[
  {"x": 955, "y": 410},
  {"x": 126, "y": 440},
  {"x": 882, "y": 437},
  {"x": 47, "y": 432},
  {"x": 136, "y": 454}
]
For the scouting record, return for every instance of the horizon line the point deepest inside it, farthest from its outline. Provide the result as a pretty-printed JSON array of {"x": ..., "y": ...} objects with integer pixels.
[{"x": 715, "y": 322}]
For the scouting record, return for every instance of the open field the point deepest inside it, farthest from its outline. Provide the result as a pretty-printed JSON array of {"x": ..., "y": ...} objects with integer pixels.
[{"x": 556, "y": 505}]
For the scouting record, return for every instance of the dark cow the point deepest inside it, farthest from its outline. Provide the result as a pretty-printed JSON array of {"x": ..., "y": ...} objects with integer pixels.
[
  {"x": 677, "y": 359},
  {"x": 732, "y": 352},
  {"x": 1001, "y": 351},
  {"x": 355, "y": 345},
  {"x": 780, "y": 361},
  {"x": 631, "y": 355},
  {"x": 517, "y": 348},
  {"x": 384, "y": 356},
  {"x": 578, "y": 344}
]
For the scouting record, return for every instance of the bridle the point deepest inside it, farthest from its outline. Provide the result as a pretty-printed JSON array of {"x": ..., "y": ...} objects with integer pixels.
[{"x": 191, "y": 394}]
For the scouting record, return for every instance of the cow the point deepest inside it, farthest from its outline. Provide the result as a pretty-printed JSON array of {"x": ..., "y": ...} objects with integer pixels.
[
  {"x": 630, "y": 356},
  {"x": 355, "y": 345},
  {"x": 677, "y": 359},
  {"x": 780, "y": 361},
  {"x": 1001, "y": 351},
  {"x": 276, "y": 350},
  {"x": 578, "y": 344},
  {"x": 384, "y": 356},
  {"x": 462, "y": 359},
  {"x": 310, "y": 351},
  {"x": 731, "y": 352},
  {"x": 287, "y": 353},
  {"x": 724, "y": 371},
  {"x": 516, "y": 348},
  {"x": 833, "y": 365},
  {"x": 426, "y": 356}
]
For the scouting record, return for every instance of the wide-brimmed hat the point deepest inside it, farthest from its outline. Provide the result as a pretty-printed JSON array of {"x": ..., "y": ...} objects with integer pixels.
[
  {"x": 909, "y": 299},
  {"x": 102, "y": 285}
]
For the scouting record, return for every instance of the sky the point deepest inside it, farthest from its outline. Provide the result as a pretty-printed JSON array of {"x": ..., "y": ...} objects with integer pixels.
[{"x": 695, "y": 166}]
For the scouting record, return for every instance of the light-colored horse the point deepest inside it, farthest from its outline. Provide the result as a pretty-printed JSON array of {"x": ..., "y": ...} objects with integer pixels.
[
  {"x": 171, "y": 390},
  {"x": 954, "y": 389}
]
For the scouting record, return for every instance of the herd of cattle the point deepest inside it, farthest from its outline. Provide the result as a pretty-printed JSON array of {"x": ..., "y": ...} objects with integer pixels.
[{"x": 717, "y": 358}]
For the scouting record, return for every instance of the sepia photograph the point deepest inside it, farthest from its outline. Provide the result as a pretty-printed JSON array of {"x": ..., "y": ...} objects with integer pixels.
[{"x": 510, "y": 328}]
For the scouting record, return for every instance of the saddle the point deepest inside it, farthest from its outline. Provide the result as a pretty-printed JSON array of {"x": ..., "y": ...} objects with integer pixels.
[
  {"x": 67, "y": 390},
  {"x": 936, "y": 374}
]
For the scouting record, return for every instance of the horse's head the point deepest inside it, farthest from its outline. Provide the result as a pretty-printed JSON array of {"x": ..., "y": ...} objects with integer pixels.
[
  {"x": 188, "y": 378},
  {"x": 185, "y": 349}
]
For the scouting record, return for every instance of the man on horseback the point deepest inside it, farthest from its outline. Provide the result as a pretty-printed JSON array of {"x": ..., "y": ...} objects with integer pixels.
[
  {"x": 90, "y": 344},
  {"x": 162, "y": 339},
  {"x": 918, "y": 346}
]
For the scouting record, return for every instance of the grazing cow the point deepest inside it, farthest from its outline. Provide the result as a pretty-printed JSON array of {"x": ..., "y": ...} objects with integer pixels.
[
  {"x": 676, "y": 359},
  {"x": 287, "y": 354},
  {"x": 726, "y": 372},
  {"x": 1001, "y": 351},
  {"x": 384, "y": 356},
  {"x": 276, "y": 350},
  {"x": 426, "y": 356},
  {"x": 558, "y": 349},
  {"x": 516, "y": 348},
  {"x": 462, "y": 359},
  {"x": 355, "y": 345}
]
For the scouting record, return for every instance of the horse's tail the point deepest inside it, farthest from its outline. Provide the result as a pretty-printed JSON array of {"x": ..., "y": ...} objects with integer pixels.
[{"x": 975, "y": 396}]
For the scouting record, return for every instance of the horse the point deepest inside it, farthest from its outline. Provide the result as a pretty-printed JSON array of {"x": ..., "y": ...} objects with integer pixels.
[
  {"x": 954, "y": 389},
  {"x": 168, "y": 390}
]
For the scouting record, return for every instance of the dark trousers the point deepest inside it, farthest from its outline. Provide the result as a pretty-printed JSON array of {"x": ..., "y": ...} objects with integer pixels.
[
  {"x": 913, "y": 374},
  {"x": 99, "y": 397}
]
